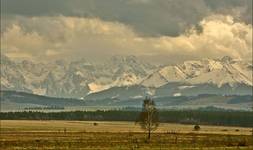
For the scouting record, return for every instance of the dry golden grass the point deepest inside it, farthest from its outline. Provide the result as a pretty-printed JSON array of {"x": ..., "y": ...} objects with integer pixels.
[
  {"x": 118, "y": 135},
  {"x": 115, "y": 126}
]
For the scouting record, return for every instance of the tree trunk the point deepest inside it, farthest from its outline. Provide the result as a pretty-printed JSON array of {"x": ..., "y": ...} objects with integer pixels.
[{"x": 149, "y": 132}]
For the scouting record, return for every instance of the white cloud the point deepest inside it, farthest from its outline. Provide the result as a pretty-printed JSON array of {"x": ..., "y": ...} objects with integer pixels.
[
  {"x": 72, "y": 37},
  {"x": 221, "y": 36}
]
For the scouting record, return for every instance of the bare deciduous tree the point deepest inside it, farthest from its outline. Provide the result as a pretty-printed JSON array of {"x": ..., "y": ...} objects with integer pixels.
[
  {"x": 252, "y": 125},
  {"x": 148, "y": 118}
]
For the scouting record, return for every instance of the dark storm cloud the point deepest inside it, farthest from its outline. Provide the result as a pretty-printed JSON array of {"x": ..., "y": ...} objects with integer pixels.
[
  {"x": 231, "y": 7},
  {"x": 148, "y": 17}
]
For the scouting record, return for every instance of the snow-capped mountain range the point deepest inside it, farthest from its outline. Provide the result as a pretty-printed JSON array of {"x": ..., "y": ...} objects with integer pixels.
[
  {"x": 84, "y": 79},
  {"x": 217, "y": 72}
]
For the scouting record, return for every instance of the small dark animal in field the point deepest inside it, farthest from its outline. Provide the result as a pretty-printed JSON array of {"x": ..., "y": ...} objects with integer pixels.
[
  {"x": 196, "y": 128},
  {"x": 95, "y": 124}
]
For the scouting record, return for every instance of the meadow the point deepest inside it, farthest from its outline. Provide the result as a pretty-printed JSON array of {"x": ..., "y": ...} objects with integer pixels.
[{"x": 29, "y": 134}]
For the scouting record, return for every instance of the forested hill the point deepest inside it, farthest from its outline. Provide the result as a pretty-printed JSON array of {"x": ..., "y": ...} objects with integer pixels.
[
  {"x": 226, "y": 118},
  {"x": 19, "y": 99}
]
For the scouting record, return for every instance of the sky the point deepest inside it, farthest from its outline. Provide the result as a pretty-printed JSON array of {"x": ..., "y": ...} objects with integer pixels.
[{"x": 159, "y": 31}]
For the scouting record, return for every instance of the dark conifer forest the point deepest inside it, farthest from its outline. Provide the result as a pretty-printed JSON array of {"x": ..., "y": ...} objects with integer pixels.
[{"x": 226, "y": 118}]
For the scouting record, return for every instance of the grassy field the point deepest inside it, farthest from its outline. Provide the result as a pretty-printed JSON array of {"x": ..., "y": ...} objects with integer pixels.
[{"x": 118, "y": 135}]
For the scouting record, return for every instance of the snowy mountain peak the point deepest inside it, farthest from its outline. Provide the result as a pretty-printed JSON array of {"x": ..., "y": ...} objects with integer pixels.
[
  {"x": 81, "y": 77},
  {"x": 210, "y": 71}
]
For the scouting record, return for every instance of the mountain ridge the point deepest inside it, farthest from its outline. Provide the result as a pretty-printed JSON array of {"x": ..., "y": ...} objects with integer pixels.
[{"x": 81, "y": 78}]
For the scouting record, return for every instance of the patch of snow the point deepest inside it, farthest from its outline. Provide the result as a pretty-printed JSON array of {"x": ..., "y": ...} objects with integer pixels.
[
  {"x": 39, "y": 91},
  {"x": 137, "y": 97},
  {"x": 96, "y": 87},
  {"x": 5, "y": 83},
  {"x": 150, "y": 91},
  {"x": 172, "y": 74},
  {"x": 186, "y": 87},
  {"x": 177, "y": 94},
  {"x": 215, "y": 65},
  {"x": 115, "y": 97}
]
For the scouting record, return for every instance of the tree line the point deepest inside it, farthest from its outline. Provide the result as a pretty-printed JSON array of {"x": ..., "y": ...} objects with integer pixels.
[{"x": 233, "y": 118}]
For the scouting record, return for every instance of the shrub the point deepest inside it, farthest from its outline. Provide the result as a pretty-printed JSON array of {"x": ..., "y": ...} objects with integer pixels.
[{"x": 242, "y": 143}]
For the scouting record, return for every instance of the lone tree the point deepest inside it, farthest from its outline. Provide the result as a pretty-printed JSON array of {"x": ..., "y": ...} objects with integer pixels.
[{"x": 148, "y": 118}]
